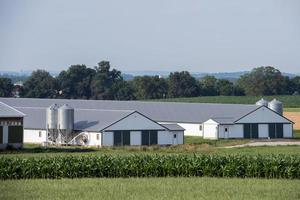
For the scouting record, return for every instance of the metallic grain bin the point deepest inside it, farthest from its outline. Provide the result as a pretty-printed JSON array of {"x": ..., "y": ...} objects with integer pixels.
[
  {"x": 66, "y": 118},
  {"x": 51, "y": 117},
  {"x": 262, "y": 102},
  {"x": 276, "y": 106}
]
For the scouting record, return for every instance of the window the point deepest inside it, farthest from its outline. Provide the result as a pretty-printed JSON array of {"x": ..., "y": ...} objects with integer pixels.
[
  {"x": 121, "y": 138},
  {"x": 174, "y": 135},
  {"x": 200, "y": 127},
  {"x": 226, "y": 129},
  {"x": 97, "y": 136},
  {"x": 149, "y": 137},
  {"x": 40, "y": 133}
]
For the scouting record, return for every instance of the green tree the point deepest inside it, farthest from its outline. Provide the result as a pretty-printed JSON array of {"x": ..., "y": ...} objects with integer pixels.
[
  {"x": 6, "y": 87},
  {"x": 209, "y": 85},
  {"x": 76, "y": 82},
  {"x": 225, "y": 87},
  {"x": 263, "y": 81},
  {"x": 149, "y": 87},
  {"x": 182, "y": 84},
  {"x": 39, "y": 85},
  {"x": 104, "y": 81}
]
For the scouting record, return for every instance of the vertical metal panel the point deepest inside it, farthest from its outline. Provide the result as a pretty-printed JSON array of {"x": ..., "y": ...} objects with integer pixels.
[
  {"x": 117, "y": 138},
  {"x": 272, "y": 130},
  {"x": 279, "y": 130},
  {"x": 145, "y": 137},
  {"x": 254, "y": 130},
  {"x": 153, "y": 137},
  {"x": 126, "y": 137},
  {"x": 1, "y": 134},
  {"x": 15, "y": 134},
  {"x": 247, "y": 131}
]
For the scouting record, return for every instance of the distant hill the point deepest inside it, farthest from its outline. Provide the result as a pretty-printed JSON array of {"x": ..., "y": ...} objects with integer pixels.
[{"x": 129, "y": 75}]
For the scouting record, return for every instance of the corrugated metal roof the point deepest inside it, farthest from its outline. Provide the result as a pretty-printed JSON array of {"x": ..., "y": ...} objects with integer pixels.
[
  {"x": 158, "y": 111},
  {"x": 84, "y": 119},
  {"x": 173, "y": 127},
  {"x": 8, "y": 111}
]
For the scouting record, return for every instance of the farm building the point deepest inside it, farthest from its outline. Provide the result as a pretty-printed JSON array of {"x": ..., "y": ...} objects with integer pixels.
[
  {"x": 11, "y": 127},
  {"x": 108, "y": 123}
]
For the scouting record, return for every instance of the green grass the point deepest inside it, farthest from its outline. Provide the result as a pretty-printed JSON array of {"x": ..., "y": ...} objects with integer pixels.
[
  {"x": 193, "y": 145},
  {"x": 151, "y": 188},
  {"x": 291, "y": 110},
  {"x": 289, "y": 101},
  {"x": 297, "y": 134}
]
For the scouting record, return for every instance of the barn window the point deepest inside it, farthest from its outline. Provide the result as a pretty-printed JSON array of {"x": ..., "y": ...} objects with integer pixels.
[
  {"x": 40, "y": 133},
  {"x": 98, "y": 136},
  {"x": 200, "y": 127},
  {"x": 174, "y": 135},
  {"x": 226, "y": 129},
  {"x": 149, "y": 137}
]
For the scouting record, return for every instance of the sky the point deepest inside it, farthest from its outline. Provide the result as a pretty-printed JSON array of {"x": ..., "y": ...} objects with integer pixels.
[{"x": 153, "y": 35}]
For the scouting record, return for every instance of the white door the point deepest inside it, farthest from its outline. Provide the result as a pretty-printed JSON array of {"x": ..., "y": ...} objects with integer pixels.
[
  {"x": 226, "y": 132},
  {"x": 175, "y": 139}
]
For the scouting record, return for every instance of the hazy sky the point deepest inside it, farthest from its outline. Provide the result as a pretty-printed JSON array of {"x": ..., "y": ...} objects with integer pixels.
[{"x": 165, "y": 35}]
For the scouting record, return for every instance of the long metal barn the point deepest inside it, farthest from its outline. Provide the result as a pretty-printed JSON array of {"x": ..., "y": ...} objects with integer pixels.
[{"x": 113, "y": 123}]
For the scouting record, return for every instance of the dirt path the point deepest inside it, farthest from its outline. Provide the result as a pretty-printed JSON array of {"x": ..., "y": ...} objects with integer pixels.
[
  {"x": 295, "y": 117},
  {"x": 267, "y": 143}
]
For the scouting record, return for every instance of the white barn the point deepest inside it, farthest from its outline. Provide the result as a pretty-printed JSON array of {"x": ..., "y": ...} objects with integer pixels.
[{"x": 208, "y": 120}]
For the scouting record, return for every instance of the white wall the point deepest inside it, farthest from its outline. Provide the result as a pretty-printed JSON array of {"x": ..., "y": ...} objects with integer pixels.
[
  {"x": 135, "y": 137},
  {"x": 32, "y": 136},
  {"x": 191, "y": 129},
  {"x": 233, "y": 131},
  {"x": 263, "y": 130},
  {"x": 135, "y": 121},
  {"x": 5, "y": 134},
  {"x": 210, "y": 129},
  {"x": 93, "y": 141},
  {"x": 287, "y": 130},
  {"x": 263, "y": 115},
  {"x": 108, "y": 138}
]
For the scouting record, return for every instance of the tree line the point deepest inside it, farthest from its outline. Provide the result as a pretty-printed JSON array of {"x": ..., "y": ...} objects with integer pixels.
[{"x": 102, "y": 82}]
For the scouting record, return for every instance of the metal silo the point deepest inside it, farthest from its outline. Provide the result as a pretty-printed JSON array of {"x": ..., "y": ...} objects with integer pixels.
[
  {"x": 262, "y": 102},
  {"x": 66, "y": 118},
  {"x": 51, "y": 117},
  {"x": 276, "y": 106}
]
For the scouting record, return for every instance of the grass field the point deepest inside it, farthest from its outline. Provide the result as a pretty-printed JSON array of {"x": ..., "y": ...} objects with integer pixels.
[
  {"x": 193, "y": 145},
  {"x": 288, "y": 101},
  {"x": 151, "y": 188}
]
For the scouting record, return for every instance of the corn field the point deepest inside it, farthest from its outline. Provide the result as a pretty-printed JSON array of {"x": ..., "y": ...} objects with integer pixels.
[{"x": 260, "y": 166}]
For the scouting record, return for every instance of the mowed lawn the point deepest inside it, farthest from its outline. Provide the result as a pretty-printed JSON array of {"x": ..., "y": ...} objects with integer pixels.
[{"x": 151, "y": 188}]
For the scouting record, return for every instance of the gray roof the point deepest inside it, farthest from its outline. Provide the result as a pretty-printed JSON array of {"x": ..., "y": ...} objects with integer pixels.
[
  {"x": 158, "y": 111},
  {"x": 173, "y": 127},
  {"x": 8, "y": 111},
  {"x": 224, "y": 120},
  {"x": 84, "y": 119}
]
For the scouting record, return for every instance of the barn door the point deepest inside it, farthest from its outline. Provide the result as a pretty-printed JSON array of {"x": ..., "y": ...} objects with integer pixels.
[
  {"x": 1, "y": 134},
  {"x": 272, "y": 130},
  {"x": 254, "y": 130},
  {"x": 15, "y": 134},
  {"x": 247, "y": 131},
  {"x": 279, "y": 130}
]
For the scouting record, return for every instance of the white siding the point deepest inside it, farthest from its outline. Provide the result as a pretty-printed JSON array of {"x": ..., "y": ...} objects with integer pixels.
[
  {"x": 263, "y": 130},
  {"x": 32, "y": 136},
  {"x": 180, "y": 137},
  {"x": 191, "y": 129},
  {"x": 287, "y": 130},
  {"x": 135, "y": 121},
  {"x": 263, "y": 115},
  {"x": 164, "y": 138},
  {"x": 210, "y": 129},
  {"x": 233, "y": 131},
  {"x": 108, "y": 139},
  {"x": 135, "y": 137},
  {"x": 5, "y": 134},
  {"x": 93, "y": 141}
]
